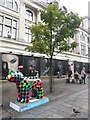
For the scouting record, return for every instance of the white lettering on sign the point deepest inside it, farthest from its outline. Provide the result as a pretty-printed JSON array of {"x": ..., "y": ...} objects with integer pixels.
[{"x": 14, "y": 106}]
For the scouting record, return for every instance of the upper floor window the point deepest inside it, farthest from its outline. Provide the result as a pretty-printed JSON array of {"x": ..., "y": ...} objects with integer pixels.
[
  {"x": 29, "y": 15},
  {"x": 15, "y": 6},
  {"x": 82, "y": 37},
  {"x": 83, "y": 49},
  {"x": 14, "y": 29},
  {"x": 8, "y": 27},
  {"x": 2, "y": 2},
  {"x": 15, "y": 23},
  {"x": 9, "y": 3},
  {"x": 8, "y": 21},
  {"x": 1, "y": 19},
  {"x": 0, "y": 30},
  {"x": 88, "y": 39},
  {"x": 12, "y": 4},
  {"x": 28, "y": 35},
  {"x": 88, "y": 51}
]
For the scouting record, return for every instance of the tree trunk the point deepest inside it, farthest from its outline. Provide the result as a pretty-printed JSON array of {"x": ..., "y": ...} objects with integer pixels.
[{"x": 51, "y": 74}]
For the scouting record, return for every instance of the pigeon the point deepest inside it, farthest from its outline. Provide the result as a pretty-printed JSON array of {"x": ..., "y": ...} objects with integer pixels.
[{"x": 76, "y": 111}]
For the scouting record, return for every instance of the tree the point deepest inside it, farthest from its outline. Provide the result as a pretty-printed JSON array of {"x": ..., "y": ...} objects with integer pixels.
[
  {"x": 74, "y": 45},
  {"x": 50, "y": 36}
]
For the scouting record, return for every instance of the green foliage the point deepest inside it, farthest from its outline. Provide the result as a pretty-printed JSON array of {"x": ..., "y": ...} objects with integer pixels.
[
  {"x": 50, "y": 36},
  {"x": 74, "y": 45},
  {"x": 57, "y": 26},
  {"x": 41, "y": 35}
]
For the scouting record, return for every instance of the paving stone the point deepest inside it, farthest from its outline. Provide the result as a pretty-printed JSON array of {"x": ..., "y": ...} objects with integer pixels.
[
  {"x": 55, "y": 116},
  {"x": 66, "y": 97},
  {"x": 27, "y": 116},
  {"x": 84, "y": 115},
  {"x": 64, "y": 114},
  {"x": 59, "y": 108},
  {"x": 45, "y": 114}
]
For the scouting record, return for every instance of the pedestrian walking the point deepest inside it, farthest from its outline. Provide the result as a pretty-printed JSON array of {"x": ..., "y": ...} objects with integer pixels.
[{"x": 83, "y": 75}]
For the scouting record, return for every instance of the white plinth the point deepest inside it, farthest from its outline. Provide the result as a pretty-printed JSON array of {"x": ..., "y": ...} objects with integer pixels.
[{"x": 21, "y": 107}]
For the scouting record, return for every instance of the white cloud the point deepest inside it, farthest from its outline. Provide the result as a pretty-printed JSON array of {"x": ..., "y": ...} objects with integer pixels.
[{"x": 79, "y": 6}]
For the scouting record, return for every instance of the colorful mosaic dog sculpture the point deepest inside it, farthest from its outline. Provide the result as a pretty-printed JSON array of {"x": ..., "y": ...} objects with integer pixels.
[{"x": 24, "y": 85}]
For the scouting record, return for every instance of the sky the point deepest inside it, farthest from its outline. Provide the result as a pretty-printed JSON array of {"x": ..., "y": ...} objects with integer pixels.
[{"x": 79, "y": 6}]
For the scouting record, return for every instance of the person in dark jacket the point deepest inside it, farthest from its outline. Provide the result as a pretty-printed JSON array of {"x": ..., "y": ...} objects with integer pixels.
[
  {"x": 69, "y": 73},
  {"x": 32, "y": 71},
  {"x": 83, "y": 75},
  {"x": 5, "y": 70}
]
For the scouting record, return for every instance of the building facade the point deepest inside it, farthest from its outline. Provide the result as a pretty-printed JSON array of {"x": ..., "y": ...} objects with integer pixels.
[
  {"x": 16, "y": 17},
  {"x": 89, "y": 28}
]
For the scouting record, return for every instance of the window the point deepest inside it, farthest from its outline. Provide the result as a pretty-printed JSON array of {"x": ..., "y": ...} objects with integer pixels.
[
  {"x": 1, "y": 19},
  {"x": 8, "y": 28},
  {"x": 2, "y": 2},
  {"x": 88, "y": 51},
  {"x": 14, "y": 31},
  {"x": 15, "y": 6},
  {"x": 11, "y": 4},
  {"x": 8, "y": 21},
  {"x": 88, "y": 39},
  {"x": 1, "y": 25},
  {"x": 7, "y": 31},
  {"x": 28, "y": 36},
  {"x": 82, "y": 37},
  {"x": 83, "y": 49},
  {"x": 29, "y": 15},
  {"x": 14, "y": 23},
  {"x": 0, "y": 30}
]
